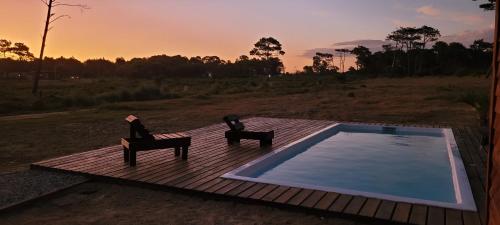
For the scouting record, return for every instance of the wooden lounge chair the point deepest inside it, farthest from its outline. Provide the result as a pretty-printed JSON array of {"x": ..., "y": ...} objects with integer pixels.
[
  {"x": 237, "y": 132},
  {"x": 147, "y": 141}
]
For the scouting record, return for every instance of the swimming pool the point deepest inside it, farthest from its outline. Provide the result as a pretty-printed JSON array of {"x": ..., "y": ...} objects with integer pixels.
[{"x": 404, "y": 164}]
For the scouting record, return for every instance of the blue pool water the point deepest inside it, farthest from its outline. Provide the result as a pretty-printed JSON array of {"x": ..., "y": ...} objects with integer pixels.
[{"x": 413, "y": 165}]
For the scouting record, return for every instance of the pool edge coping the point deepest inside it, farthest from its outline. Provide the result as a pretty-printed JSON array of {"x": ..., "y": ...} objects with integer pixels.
[{"x": 461, "y": 183}]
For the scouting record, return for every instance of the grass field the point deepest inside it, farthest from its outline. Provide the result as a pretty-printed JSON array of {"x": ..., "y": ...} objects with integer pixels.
[{"x": 77, "y": 115}]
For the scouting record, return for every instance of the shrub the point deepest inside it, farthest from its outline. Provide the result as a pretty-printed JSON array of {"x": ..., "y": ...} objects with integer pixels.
[
  {"x": 146, "y": 93},
  {"x": 478, "y": 100}
]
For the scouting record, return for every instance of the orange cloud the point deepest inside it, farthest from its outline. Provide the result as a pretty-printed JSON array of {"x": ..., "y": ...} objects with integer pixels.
[
  {"x": 429, "y": 11},
  {"x": 454, "y": 16}
]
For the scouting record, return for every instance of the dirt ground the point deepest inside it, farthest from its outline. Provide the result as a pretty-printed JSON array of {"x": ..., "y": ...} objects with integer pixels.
[
  {"x": 427, "y": 100},
  {"x": 102, "y": 203}
]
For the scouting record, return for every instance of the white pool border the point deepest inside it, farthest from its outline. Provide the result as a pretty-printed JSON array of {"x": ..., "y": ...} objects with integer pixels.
[{"x": 463, "y": 192}]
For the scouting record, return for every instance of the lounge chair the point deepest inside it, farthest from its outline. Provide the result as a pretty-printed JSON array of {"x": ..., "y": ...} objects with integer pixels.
[
  {"x": 147, "y": 141},
  {"x": 237, "y": 132}
]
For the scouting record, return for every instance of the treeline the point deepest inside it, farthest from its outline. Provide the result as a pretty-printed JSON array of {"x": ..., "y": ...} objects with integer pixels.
[
  {"x": 266, "y": 61},
  {"x": 411, "y": 51},
  {"x": 152, "y": 67},
  {"x": 409, "y": 54}
]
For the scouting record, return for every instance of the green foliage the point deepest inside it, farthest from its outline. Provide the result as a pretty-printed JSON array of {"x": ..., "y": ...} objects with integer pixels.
[
  {"x": 489, "y": 5},
  {"x": 91, "y": 93},
  {"x": 477, "y": 99},
  {"x": 363, "y": 55},
  {"x": 21, "y": 50},
  {"x": 267, "y": 47},
  {"x": 323, "y": 64}
]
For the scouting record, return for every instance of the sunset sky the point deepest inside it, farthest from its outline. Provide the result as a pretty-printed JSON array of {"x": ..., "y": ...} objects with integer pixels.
[{"x": 229, "y": 28}]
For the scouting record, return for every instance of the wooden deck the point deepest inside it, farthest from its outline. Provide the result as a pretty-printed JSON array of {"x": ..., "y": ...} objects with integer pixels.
[{"x": 210, "y": 157}]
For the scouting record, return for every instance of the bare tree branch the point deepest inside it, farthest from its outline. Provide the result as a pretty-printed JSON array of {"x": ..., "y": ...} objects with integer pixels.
[
  {"x": 59, "y": 17},
  {"x": 51, "y": 18},
  {"x": 45, "y": 2},
  {"x": 81, "y": 6}
]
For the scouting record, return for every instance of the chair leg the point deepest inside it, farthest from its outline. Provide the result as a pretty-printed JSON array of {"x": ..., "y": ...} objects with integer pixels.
[
  {"x": 132, "y": 157},
  {"x": 231, "y": 141},
  {"x": 177, "y": 151},
  {"x": 125, "y": 154},
  {"x": 264, "y": 143},
  {"x": 185, "y": 152}
]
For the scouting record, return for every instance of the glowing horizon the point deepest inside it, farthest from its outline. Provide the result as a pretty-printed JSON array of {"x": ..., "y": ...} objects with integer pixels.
[{"x": 229, "y": 29}]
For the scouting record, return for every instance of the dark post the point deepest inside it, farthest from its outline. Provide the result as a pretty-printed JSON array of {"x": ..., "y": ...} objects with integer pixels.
[{"x": 40, "y": 59}]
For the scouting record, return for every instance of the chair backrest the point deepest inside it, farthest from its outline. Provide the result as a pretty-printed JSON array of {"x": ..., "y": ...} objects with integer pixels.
[
  {"x": 137, "y": 127},
  {"x": 234, "y": 123}
]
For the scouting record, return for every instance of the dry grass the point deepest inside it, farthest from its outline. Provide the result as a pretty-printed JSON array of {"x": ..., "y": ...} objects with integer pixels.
[
  {"x": 35, "y": 137},
  {"x": 428, "y": 100}
]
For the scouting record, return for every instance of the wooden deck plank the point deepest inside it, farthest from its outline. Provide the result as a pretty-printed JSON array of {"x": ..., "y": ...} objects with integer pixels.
[
  {"x": 340, "y": 204},
  {"x": 435, "y": 216},
  {"x": 103, "y": 151},
  {"x": 275, "y": 193},
  {"x": 300, "y": 197},
  {"x": 385, "y": 210},
  {"x": 181, "y": 180},
  {"x": 264, "y": 191},
  {"x": 240, "y": 188},
  {"x": 370, "y": 207},
  {"x": 248, "y": 192},
  {"x": 470, "y": 218},
  {"x": 355, "y": 205},
  {"x": 311, "y": 201},
  {"x": 218, "y": 149},
  {"x": 218, "y": 186},
  {"x": 470, "y": 156},
  {"x": 229, "y": 187},
  {"x": 418, "y": 215},
  {"x": 402, "y": 212},
  {"x": 453, "y": 217},
  {"x": 210, "y": 157},
  {"x": 290, "y": 193},
  {"x": 473, "y": 133},
  {"x": 326, "y": 201}
]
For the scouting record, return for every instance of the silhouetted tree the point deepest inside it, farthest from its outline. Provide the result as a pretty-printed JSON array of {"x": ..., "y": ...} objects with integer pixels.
[
  {"x": 267, "y": 48},
  {"x": 414, "y": 41},
  {"x": 50, "y": 19},
  {"x": 5, "y": 46},
  {"x": 363, "y": 55},
  {"x": 490, "y": 5},
  {"x": 441, "y": 59},
  {"x": 481, "y": 46},
  {"x": 120, "y": 60},
  {"x": 243, "y": 58},
  {"x": 343, "y": 52},
  {"x": 323, "y": 63},
  {"x": 99, "y": 68},
  {"x": 428, "y": 34},
  {"x": 308, "y": 70},
  {"x": 22, "y": 51}
]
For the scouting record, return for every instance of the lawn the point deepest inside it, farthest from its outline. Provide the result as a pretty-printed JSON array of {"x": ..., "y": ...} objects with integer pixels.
[
  {"x": 77, "y": 115},
  {"x": 73, "y": 116}
]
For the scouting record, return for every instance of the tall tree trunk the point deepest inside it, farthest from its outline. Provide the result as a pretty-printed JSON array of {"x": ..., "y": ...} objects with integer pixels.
[
  {"x": 40, "y": 59},
  {"x": 407, "y": 61},
  {"x": 393, "y": 60},
  {"x": 416, "y": 61}
]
